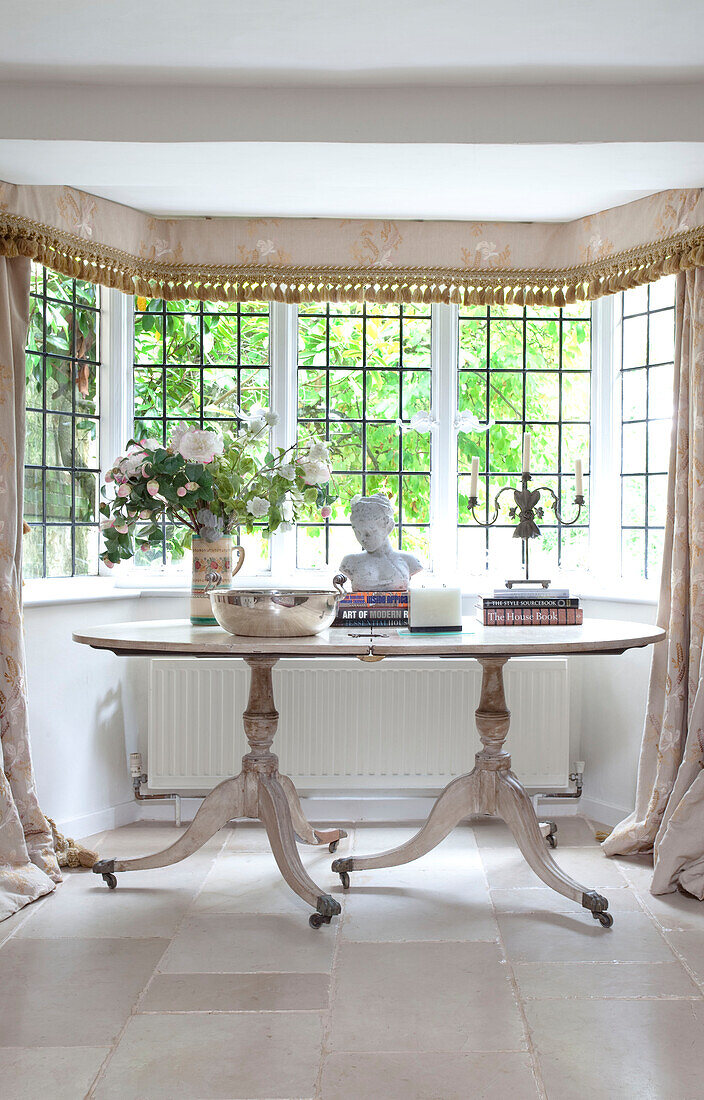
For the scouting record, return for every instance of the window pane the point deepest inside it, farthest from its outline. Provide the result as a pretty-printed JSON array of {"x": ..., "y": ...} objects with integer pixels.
[
  {"x": 198, "y": 364},
  {"x": 524, "y": 370},
  {"x": 361, "y": 368},
  {"x": 62, "y": 426},
  {"x": 646, "y": 423}
]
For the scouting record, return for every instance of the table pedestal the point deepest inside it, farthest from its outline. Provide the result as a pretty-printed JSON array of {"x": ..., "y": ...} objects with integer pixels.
[
  {"x": 491, "y": 788},
  {"x": 258, "y": 792}
]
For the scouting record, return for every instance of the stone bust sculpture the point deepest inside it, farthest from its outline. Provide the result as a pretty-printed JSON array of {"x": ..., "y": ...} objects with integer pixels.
[{"x": 379, "y": 568}]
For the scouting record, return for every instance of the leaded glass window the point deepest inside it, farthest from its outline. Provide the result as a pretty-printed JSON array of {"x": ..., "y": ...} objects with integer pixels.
[
  {"x": 647, "y": 354},
  {"x": 62, "y": 464},
  {"x": 524, "y": 370},
  {"x": 363, "y": 371},
  {"x": 198, "y": 363}
]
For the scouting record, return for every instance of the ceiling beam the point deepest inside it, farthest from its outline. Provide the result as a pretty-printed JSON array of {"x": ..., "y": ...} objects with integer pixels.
[{"x": 507, "y": 114}]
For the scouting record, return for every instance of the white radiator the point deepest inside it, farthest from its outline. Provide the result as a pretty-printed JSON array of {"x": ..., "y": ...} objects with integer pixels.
[{"x": 344, "y": 726}]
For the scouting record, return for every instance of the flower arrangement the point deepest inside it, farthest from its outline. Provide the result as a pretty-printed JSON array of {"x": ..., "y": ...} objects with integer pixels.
[{"x": 210, "y": 483}]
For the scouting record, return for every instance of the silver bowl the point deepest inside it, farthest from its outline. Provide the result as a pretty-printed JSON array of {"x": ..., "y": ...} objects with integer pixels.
[{"x": 276, "y": 612}]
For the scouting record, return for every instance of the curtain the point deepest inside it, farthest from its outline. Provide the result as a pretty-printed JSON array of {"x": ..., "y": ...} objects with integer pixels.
[
  {"x": 331, "y": 259},
  {"x": 28, "y": 865},
  {"x": 669, "y": 813}
]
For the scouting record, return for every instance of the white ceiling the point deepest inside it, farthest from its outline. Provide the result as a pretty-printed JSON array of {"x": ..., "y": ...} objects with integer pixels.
[
  {"x": 541, "y": 110},
  {"x": 305, "y": 179},
  {"x": 362, "y": 41}
]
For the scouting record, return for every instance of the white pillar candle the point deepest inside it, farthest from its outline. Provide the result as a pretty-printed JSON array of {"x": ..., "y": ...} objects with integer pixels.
[
  {"x": 474, "y": 479},
  {"x": 578, "y": 486},
  {"x": 434, "y": 609},
  {"x": 526, "y": 452}
]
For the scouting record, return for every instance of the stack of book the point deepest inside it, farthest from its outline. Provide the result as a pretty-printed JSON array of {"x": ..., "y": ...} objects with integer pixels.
[
  {"x": 529, "y": 607},
  {"x": 372, "y": 609}
]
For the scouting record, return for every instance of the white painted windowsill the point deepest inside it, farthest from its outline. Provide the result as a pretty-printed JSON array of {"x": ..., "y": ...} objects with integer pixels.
[{"x": 72, "y": 590}]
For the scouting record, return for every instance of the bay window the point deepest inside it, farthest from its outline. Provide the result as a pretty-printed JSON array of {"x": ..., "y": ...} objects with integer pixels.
[
  {"x": 407, "y": 395},
  {"x": 62, "y": 457}
]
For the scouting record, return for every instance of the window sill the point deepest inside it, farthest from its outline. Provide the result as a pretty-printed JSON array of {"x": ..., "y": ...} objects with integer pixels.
[
  {"x": 71, "y": 590},
  {"x": 68, "y": 590}
]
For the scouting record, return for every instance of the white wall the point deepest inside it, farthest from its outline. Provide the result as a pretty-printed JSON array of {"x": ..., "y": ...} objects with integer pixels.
[
  {"x": 609, "y": 705},
  {"x": 88, "y": 711}
]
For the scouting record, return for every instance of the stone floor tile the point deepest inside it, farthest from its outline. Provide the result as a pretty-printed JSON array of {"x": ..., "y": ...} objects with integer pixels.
[
  {"x": 236, "y": 993},
  {"x": 507, "y": 869},
  {"x": 370, "y": 839},
  {"x": 690, "y": 946},
  {"x": 10, "y": 926},
  {"x": 541, "y": 899},
  {"x": 250, "y": 882},
  {"x": 583, "y": 980},
  {"x": 428, "y": 1076},
  {"x": 71, "y": 992},
  {"x": 228, "y": 1056},
  {"x": 228, "y": 943},
  {"x": 651, "y": 1050},
  {"x": 144, "y": 837},
  {"x": 564, "y": 937},
  {"x": 433, "y": 906},
  {"x": 62, "y": 1073},
  {"x": 248, "y": 836},
  {"x": 679, "y": 912},
  {"x": 428, "y": 996},
  {"x": 83, "y": 906},
  {"x": 573, "y": 831}
]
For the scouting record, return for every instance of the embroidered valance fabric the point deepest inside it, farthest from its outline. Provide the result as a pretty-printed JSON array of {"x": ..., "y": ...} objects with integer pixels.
[{"x": 304, "y": 259}]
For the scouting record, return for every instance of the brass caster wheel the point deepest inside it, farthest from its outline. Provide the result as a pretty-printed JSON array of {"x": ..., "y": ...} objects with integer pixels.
[
  {"x": 605, "y": 919},
  {"x": 332, "y": 847},
  {"x": 552, "y": 842},
  {"x": 315, "y": 920},
  {"x": 345, "y": 880},
  {"x": 106, "y": 868}
]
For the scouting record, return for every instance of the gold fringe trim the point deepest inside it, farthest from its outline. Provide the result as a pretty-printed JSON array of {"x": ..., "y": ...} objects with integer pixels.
[
  {"x": 111, "y": 267},
  {"x": 69, "y": 852}
]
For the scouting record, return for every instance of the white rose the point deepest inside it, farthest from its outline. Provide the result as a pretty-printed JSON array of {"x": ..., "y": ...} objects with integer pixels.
[
  {"x": 319, "y": 453},
  {"x": 287, "y": 511},
  {"x": 315, "y": 473},
  {"x": 177, "y": 435},
  {"x": 288, "y": 471},
  {"x": 256, "y": 425},
  {"x": 271, "y": 418},
  {"x": 200, "y": 445},
  {"x": 258, "y": 507}
]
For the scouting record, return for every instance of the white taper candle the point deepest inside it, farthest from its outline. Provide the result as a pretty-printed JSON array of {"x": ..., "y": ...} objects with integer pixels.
[
  {"x": 526, "y": 452},
  {"x": 474, "y": 479},
  {"x": 578, "y": 485}
]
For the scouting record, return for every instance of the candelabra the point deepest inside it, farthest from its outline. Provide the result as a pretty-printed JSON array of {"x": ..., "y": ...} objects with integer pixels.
[{"x": 526, "y": 508}]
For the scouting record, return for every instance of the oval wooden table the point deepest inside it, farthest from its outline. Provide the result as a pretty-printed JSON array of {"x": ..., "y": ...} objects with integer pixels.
[{"x": 261, "y": 793}]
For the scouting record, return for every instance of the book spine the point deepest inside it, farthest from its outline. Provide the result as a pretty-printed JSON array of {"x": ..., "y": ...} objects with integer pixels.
[
  {"x": 536, "y": 616},
  {"x": 358, "y": 617},
  {"x": 374, "y": 599},
  {"x": 531, "y": 603}
]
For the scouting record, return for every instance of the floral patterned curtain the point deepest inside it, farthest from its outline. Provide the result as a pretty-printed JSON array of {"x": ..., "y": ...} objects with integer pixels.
[
  {"x": 669, "y": 813},
  {"x": 28, "y": 866},
  {"x": 328, "y": 259}
]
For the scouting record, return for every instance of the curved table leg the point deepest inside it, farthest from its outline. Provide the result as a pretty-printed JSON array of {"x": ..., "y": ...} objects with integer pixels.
[
  {"x": 304, "y": 829},
  {"x": 491, "y": 788},
  {"x": 274, "y": 812},
  {"x": 516, "y": 808},
  {"x": 258, "y": 792},
  {"x": 456, "y": 802},
  {"x": 222, "y": 804}
]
